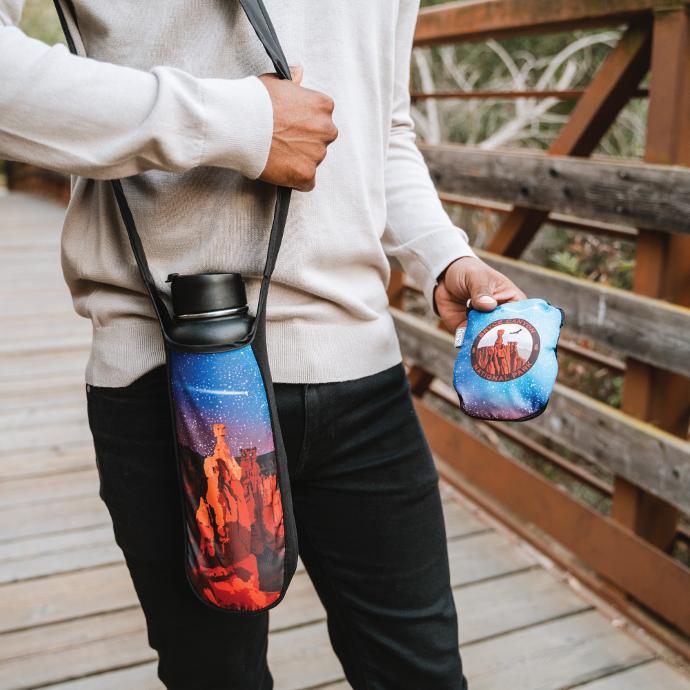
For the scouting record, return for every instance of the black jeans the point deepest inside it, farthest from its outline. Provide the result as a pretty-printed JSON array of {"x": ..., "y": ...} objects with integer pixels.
[{"x": 370, "y": 531}]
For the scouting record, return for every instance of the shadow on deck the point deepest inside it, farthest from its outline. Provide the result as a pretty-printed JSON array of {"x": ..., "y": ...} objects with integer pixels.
[{"x": 69, "y": 618}]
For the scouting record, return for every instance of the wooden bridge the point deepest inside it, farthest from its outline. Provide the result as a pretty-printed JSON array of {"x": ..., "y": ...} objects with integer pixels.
[
  {"x": 568, "y": 535},
  {"x": 69, "y": 616}
]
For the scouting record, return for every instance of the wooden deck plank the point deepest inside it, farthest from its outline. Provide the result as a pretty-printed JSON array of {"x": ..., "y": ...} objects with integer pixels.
[
  {"x": 299, "y": 658},
  {"x": 300, "y": 606},
  {"x": 17, "y": 492},
  {"x": 142, "y": 677},
  {"x": 68, "y": 513},
  {"x": 558, "y": 654},
  {"x": 32, "y": 388},
  {"x": 94, "y": 644},
  {"x": 44, "y": 544},
  {"x": 513, "y": 602},
  {"x": 108, "y": 588},
  {"x": 652, "y": 676},
  {"x": 460, "y": 521},
  {"x": 66, "y": 596},
  {"x": 484, "y": 556},
  {"x": 487, "y": 615},
  {"x": 84, "y": 556},
  {"x": 71, "y": 433},
  {"x": 486, "y": 609},
  {"x": 90, "y": 645},
  {"x": 27, "y": 332},
  {"x": 39, "y": 303},
  {"x": 547, "y": 657},
  {"x": 302, "y": 658},
  {"x": 37, "y": 463},
  {"x": 33, "y": 645},
  {"x": 31, "y": 416},
  {"x": 54, "y": 395},
  {"x": 37, "y": 365}
]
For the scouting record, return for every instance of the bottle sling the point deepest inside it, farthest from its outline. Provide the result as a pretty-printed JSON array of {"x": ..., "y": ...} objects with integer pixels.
[{"x": 241, "y": 541}]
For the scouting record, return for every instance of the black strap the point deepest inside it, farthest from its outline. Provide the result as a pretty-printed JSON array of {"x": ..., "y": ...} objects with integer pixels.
[
  {"x": 259, "y": 19},
  {"x": 261, "y": 22}
]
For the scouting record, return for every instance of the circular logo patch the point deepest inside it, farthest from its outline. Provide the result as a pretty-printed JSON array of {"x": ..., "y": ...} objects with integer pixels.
[{"x": 505, "y": 350}]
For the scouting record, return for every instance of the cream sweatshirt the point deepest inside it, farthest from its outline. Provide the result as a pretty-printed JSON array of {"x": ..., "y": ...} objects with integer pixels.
[{"x": 166, "y": 99}]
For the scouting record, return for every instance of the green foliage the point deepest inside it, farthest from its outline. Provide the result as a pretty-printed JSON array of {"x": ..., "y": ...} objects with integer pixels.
[
  {"x": 596, "y": 258},
  {"x": 40, "y": 21}
]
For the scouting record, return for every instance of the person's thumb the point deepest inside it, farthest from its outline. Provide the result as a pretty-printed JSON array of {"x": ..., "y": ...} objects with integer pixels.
[
  {"x": 297, "y": 72},
  {"x": 481, "y": 298}
]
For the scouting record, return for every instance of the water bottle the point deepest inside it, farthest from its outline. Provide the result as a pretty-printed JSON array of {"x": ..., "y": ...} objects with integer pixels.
[{"x": 209, "y": 309}]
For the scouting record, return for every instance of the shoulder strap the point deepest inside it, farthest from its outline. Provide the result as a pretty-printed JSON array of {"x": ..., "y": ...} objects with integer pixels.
[{"x": 262, "y": 25}]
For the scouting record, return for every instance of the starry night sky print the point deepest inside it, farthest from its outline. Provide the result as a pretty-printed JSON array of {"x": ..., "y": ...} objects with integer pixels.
[{"x": 220, "y": 388}]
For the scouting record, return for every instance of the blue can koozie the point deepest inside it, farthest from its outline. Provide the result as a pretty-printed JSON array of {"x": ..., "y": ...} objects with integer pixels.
[{"x": 506, "y": 366}]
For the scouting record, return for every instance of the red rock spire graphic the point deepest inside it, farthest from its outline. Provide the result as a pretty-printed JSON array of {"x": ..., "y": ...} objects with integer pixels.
[
  {"x": 500, "y": 359},
  {"x": 224, "y": 508},
  {"x": 239, "y": 517}
]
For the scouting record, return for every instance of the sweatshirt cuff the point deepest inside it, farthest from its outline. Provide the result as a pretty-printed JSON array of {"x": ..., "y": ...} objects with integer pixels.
[
  {"x": 238, "y": 124},
  {"x": 434, "y": 253}
]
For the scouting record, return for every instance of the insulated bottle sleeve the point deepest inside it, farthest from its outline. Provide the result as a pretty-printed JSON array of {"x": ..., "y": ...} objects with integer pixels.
[
  {"x": 506, "y": 366},
  {"x": 232, "y": 499}
]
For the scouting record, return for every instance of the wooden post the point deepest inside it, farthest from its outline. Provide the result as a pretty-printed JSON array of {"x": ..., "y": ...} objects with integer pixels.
[
  {"x": 608, "y": 93},
  {"x": 663, "y": 271},
  {"x": 396, "y": 286}
]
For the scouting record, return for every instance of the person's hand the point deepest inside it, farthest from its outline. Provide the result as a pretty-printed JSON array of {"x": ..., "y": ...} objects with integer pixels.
[
  {"x": 302, "y": 130},
  {"x": 470, "y": 278}
]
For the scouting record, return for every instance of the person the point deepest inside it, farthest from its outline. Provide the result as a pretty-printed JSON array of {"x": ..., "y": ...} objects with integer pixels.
[{"x": 167, "y": 100}]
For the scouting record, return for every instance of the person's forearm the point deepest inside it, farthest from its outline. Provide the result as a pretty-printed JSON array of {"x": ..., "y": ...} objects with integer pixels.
[
  {"x": 419, "y": 231},
  {"x": 104, "y": 121}
]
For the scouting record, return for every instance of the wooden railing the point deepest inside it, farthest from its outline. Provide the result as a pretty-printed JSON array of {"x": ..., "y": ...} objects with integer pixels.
[{"x": 624, "y": 552}]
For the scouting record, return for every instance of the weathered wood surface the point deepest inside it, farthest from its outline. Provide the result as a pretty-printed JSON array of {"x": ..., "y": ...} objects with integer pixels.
[
  {"x": 651, "y": 458},
  {"x": 650, "y": 330},
  {"x": 472, "y": 21},
  {"x": 650, "y": 676},
  {"x": 69, "y": 616},
  {"x": 640, "y": 194}
]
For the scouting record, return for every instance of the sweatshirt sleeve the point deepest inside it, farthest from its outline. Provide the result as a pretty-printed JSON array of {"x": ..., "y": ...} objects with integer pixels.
[
  {"x": 418, "y": 230},
  {"x": 95, "y": 119}
]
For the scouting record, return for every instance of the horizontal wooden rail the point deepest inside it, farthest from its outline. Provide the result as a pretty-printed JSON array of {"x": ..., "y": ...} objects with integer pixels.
[
  {"x": 474, "y": 21},
  {"x": 590, "y": 355},
  {"x": 638, "y": 194},
  {"x": 563, "y": 94},
  {"x": 638, "y": 451},
  {"x": 623, "y": 232},
  {"x": 22, "y": 177},
  {"x": 512, "y": 432},
  {"x": 650, "y": 330},
  {"x": 567, "y": 95}
]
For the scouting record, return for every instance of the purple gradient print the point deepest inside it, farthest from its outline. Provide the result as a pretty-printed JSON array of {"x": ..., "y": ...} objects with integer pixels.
[{"x": 220, "y": 388}]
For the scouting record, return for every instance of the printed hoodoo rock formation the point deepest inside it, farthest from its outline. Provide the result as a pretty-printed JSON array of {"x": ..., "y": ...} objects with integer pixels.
[
  {"x": 240, "y": 522},
  {"x": 501, "y": 358}
]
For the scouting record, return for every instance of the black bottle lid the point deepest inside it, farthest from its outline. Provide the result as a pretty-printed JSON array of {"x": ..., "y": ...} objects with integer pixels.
[{"x": 205, "y": 293}]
